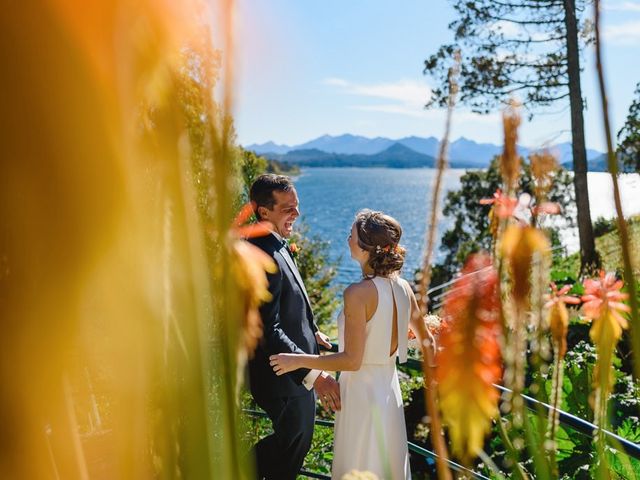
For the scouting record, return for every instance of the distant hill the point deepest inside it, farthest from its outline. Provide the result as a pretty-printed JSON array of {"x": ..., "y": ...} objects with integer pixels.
[
  {"x": 329, "y": 150},
  {"x": 347, "y": 144},
  {"x": 396, "y": 156}
]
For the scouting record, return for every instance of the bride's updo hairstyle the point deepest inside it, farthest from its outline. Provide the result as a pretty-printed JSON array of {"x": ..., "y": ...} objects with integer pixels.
[{"x": 379, "y": 234}]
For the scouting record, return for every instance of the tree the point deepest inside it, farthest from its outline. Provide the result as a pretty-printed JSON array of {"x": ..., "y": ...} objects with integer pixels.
[
  {"x": 530, "y": 49},
  {"x": 471, "y": 228},
  {"x": 629, "y": 136}
]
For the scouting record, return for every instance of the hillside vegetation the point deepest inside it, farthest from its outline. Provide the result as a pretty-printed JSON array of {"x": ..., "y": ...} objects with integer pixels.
[{"x": 608, "y": 247}]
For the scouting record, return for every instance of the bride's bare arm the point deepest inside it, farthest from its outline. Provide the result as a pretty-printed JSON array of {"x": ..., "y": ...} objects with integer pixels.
[
  {"x": 417, "y": 326},
  {"x": 356, "y": 298}
]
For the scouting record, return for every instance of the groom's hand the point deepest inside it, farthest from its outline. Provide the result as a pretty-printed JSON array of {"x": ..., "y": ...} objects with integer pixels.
[
  {"x": 328, "y": 390},
  {"x": 323, "y": 340}
]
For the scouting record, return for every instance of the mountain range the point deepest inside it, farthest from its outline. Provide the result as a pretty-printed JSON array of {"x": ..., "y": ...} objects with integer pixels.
[{"x": 408, "y": 152}]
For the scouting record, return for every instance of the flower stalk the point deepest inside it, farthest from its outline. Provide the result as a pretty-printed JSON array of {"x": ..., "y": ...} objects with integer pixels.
[
  {"x": 469, "y": 361},
  {"x": 428, "y": 365},
  {"x": 623, "y": 229}
]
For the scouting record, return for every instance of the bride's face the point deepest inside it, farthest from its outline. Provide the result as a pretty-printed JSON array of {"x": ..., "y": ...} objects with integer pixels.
[{"x": 356, "y": 252}]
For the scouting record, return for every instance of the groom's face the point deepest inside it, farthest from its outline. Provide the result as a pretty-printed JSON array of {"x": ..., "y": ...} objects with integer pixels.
[{"x": 284, "y": 213}]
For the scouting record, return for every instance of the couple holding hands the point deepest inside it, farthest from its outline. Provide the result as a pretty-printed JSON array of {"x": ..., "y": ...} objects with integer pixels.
[{"x": 287, "y": 372}]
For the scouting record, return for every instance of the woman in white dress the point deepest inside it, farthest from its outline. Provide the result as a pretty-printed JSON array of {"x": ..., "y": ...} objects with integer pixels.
[{"x": 370, "y": 432}]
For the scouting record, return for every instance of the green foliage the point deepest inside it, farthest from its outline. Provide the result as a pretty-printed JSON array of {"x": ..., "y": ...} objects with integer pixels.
[
  {"x": 629, "y": 136},
  {"x": 608, "y": 247},
  {"x": 470, "y": 232},
  {"x": 320, "y": 455},
  {"x": 282, "y": 168},
  {"x": 411, "y": 380},
  {"x": 576, "y": 453},
  {"x": 602, "y": 226},
  {"x": 252, "y": 166}
]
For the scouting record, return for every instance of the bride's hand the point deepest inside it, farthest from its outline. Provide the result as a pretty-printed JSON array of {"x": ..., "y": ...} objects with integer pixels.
[{"x": 284, "y": 363}]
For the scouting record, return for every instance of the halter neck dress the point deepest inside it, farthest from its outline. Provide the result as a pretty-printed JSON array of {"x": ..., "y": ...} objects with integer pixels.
[{"x": 370, "y": 433}]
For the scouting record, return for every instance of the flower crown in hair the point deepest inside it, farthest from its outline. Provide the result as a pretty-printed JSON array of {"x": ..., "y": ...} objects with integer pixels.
[{"x": 388, "y": 248}]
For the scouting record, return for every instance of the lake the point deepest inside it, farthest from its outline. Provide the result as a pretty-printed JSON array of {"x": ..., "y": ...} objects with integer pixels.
[{"x": 330, "y": 197}]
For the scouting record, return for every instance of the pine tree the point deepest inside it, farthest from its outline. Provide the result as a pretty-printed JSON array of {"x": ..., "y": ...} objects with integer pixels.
[{"x": 530, "y": 50}]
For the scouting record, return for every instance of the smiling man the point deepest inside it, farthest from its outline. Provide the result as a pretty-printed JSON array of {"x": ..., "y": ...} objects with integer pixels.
[{"x": 288, "y": 400}]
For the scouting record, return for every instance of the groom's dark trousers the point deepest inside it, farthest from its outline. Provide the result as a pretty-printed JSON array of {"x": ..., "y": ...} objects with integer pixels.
[{"x": 288, "y": 328}]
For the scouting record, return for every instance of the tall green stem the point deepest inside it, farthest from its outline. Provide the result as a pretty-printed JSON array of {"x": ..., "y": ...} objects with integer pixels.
[
  {"x": 431, "y": 397},
  {"x": 623, "y": 230}
]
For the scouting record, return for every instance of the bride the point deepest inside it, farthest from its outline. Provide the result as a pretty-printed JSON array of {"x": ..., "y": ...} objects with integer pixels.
[{"x": 370, "y": 430}]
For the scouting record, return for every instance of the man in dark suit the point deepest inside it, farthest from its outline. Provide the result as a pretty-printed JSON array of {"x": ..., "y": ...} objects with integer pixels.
[{"x": 289, "y": 400}]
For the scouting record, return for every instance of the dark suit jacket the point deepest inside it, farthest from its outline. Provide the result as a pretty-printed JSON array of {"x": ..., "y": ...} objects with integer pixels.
[{"x": 288, "y": 326}]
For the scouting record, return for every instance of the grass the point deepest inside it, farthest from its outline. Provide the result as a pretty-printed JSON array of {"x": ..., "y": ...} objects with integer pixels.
[{"x": 608, "y": 246}]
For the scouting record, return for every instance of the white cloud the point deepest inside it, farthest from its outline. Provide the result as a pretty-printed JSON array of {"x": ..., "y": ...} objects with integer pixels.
[
  {"x": 336, "y": 82},
  {"x": 627, "y": 6},
  {"x": 510, "y": 29},
  {"x": 623, "y": 33},
  {"x": 407, "y": 98},
  {"x": 406, "y": 93}
]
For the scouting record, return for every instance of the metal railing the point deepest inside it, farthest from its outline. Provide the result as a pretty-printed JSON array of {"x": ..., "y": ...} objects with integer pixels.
[
  {"x": 576, "y": 423},
  {"x": 438, "y": 300}
]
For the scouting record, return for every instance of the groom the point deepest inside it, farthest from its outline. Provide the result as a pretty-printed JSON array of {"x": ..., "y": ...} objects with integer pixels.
[{"x": 288, "y": 400}]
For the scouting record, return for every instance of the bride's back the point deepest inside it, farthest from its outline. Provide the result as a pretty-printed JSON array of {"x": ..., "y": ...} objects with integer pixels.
[{"x": 382, "y": 335}]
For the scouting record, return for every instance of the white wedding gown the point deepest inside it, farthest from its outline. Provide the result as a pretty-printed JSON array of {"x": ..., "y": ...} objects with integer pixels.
[{"x": 370, "y": 430}]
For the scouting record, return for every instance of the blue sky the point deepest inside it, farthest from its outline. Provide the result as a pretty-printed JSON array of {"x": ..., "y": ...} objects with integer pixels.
[{"x": 308, "y": 67}]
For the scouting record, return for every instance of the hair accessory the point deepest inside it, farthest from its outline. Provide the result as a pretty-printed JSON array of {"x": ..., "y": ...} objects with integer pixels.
[{"x": 388, "y": 248}]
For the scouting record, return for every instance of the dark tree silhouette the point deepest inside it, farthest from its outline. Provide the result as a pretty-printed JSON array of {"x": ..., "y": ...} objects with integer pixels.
[{"x": 629, "y": 137}]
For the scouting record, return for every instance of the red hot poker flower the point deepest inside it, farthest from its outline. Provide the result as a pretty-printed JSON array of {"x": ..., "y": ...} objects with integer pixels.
[
  {"x": 602, "y": 295},
  {"x": 603, "y": 304},
  {"x": 503, "y": 205},
  {"x": 558, "y": 316},
  {"x": 560, "y": 296},
  {"x": 241, "y": 230},
  {"x": 469, "y": 360}
]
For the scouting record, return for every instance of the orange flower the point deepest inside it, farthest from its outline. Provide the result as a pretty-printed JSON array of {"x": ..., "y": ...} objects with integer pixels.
[
  {"x": 249, "y": 266},
  {"x": 603, "y": 304},
  {"x": 468, "y": 360},
  {"x": 295, "y": 250},
  {"x": 519, "y": 245},
  {"x": 602, "y": 296},
  {"x": 432, "y": 323},
  {"x": 259, "y": 229},
  {"x": 558, "y": 316},
  {"x": 503, "y": 205}
]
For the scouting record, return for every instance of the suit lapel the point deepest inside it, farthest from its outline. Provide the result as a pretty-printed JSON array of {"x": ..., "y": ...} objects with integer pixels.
[{"x": 296, "y": 273}]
